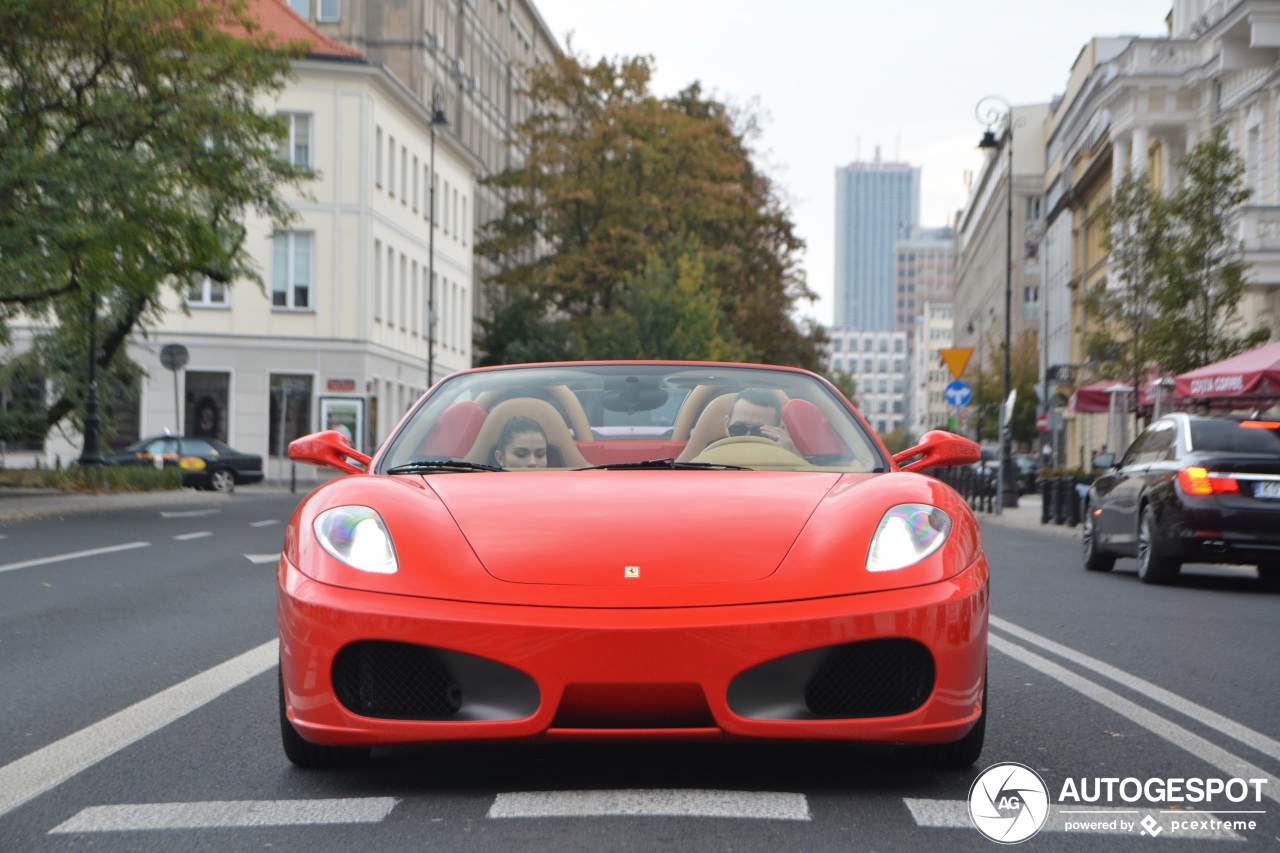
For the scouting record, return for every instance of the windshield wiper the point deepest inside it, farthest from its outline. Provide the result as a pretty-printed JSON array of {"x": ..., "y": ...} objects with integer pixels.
[
  {"x": 665, "y": 464},
  {"x": 425, "y": 466}
]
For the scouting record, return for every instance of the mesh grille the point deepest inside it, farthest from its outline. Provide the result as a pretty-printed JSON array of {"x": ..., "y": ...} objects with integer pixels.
[
  {"x": 395, "y": 681},
  {"x": 876, "y": 678}
]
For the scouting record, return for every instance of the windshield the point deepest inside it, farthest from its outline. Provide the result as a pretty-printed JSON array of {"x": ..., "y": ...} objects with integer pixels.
[
  {"x": 619, "y": 414},
  {"x": 1233, "y": 437}
]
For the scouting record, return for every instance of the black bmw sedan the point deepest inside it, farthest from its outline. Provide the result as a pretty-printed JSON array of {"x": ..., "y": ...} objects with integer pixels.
[
  {"x": 206, "y": 462},
  {"x": 1190, "y": 489}
]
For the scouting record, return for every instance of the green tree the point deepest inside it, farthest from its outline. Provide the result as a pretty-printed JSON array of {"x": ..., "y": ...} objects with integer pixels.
[
  {"x": 1137, "y": 222},
  {"x": 616, "y": 189},
  {"x": 1206, "y": 267},
  {"x": 132, "y": 147},
  {"x": 1171, "y": 302},
  {"x": 1023, "y": 375}
]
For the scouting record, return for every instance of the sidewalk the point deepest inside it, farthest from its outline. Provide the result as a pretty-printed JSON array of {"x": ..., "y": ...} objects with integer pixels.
[
  {"x": 1027, "y": 516},
  {"x": 16, "y": 504}
]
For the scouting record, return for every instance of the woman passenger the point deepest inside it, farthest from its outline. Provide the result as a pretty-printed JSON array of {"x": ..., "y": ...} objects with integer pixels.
[{"x": 522, "y": 444}]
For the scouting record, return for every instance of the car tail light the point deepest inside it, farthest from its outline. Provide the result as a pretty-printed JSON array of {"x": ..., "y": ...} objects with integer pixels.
[{"x": 1198, "y": 481}]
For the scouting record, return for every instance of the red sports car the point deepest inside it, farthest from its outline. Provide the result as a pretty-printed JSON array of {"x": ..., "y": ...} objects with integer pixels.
[{"x": 632, "y": 550}]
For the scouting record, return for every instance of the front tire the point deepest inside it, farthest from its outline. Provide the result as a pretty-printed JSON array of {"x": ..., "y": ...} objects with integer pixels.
[
  {"x": 222, "y": 481},
  {"x": 1095, "y": 559},
  {"x": 957, "y": 754},
  {"x": 304, "y": 753},
  {"x": 1152, "y": 567}
]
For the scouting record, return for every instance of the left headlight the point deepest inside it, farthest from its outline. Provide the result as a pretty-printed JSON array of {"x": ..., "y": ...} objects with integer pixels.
[
  {"x": 357, "y": 536},
  {"x": 907, "y": 534}
]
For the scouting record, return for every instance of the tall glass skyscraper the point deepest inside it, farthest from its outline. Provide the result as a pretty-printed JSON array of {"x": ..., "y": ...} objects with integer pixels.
[{"x": 877, "y": 204}]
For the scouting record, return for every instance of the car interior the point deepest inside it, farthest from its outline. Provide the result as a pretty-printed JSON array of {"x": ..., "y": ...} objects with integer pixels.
[{"x": 682, "y": 428}]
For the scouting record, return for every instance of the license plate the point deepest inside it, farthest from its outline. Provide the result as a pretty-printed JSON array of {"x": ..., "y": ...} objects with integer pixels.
[{"x": 1267, "y": 489}]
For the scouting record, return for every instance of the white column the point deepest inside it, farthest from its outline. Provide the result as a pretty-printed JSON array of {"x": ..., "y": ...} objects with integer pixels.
[
  {"x": 1138, "y": 157},
  {"x": 1119, "y": 161}
]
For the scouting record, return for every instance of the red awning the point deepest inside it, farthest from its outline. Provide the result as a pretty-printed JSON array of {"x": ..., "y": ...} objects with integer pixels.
[
  {"x": 1095, "y": 398},
  {"x": 1252, "y": 375}
]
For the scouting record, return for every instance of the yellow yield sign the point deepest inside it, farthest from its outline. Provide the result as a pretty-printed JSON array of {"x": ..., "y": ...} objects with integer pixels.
[{"x": 956, "y": 358}]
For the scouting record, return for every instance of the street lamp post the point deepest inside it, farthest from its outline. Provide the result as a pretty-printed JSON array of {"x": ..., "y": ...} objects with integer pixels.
[
  {"x": 437, "y": 120},
  {"x": 989, "y": 113}
]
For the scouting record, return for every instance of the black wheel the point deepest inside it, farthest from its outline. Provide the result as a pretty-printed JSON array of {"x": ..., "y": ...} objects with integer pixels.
[
  {"x": 1153, "y": 567},
  {"x": 304, "y": 753},
  {"x": 957, "y": 754},
  {"x": 222, "y": 480},
  {"x": 1269, "y": 574},
  {"x": 1095, "y": 559}
]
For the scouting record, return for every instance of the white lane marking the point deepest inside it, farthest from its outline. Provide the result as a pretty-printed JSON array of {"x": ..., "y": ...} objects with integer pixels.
[
  {"x": 266, "y": 522},
  {"x": 200, "y": 534},
  {"x": 49, "y": 767},
  {"x": 954, "y": 814},
  {"x": 258, "y": 559},
  {"x": 1208, "y": 752},
  {"x": 73, "y": 555},
  {"x": 657, "y": 802},
  {"x": 1244, "y": 734},
  {"x": 190, "y": 513},
  {"x": 227, "y": 813}
]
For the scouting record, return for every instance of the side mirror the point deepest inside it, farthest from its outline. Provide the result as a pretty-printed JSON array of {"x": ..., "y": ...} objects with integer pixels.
[
  {"x": 938, "y": 449},
  {"x": 329, "y": 449},
  {"x": 1104, "y": 460}
]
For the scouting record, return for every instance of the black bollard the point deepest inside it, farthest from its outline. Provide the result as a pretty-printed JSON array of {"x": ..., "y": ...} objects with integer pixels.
[
  {"x": 1045, "y": 488},
  {"x": 1073, "y": 505}
]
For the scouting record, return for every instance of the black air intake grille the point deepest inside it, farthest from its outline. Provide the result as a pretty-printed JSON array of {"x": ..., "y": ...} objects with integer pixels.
[
  {"x": 876, "y": 678},
  {"x": 395, "y": 681}
]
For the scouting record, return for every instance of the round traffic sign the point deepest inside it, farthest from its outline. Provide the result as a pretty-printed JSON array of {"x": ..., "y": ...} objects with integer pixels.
[{"x": 174, "y": 356}]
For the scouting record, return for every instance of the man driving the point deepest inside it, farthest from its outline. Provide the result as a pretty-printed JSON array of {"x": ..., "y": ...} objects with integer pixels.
[{"x": 758, "y": 412}]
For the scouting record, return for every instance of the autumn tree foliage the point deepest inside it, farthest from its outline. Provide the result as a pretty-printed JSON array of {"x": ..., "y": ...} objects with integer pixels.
[
  {"x": 638, "y": 226},
  {"x": 132, "y": 147}
]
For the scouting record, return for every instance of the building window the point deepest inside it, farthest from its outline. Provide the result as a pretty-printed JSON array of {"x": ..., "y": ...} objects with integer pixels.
[
  {"x": 377, "y": 280},
  {"x": 391, "y": 166},
  {"x": 22, "y": 410},
  {"x": 290, "y": 410},
  {"x": 207, "y": 292},
  {"x": 291, "y": 270},
  {"x": 329, "y": 11},
  {"x": 207, "y": 395},
  {"x": 302, "y": 7},
  {"x": 297, "y": 142}
]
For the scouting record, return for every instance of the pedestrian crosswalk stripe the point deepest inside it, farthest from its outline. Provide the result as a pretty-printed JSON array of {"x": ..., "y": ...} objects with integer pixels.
[
  {"x": 226, "y": 814},
  {"x": 954, "y": 814},
  {"x": 664, "y": 802}
]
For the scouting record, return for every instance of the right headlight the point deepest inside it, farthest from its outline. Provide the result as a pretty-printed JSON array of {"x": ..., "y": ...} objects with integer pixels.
[
  {"x": 357, "y": 536},
  {"x": 907, "y": 533}
]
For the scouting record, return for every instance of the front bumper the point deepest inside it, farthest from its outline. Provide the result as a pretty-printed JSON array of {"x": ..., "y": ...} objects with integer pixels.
[{"x": 675, "y": 673}]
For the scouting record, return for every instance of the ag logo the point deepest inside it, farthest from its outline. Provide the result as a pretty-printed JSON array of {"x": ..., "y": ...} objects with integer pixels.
[{"x": 1008, "y": 802}]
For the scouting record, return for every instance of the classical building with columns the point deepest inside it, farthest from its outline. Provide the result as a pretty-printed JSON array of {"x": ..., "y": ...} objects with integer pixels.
[{"x": 1140, "y": 104}]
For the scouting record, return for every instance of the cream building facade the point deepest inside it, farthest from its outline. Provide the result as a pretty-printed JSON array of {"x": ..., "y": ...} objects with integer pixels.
[
  {"x": 339, "y": 333},
  {"x": 1140, "y": 104}
]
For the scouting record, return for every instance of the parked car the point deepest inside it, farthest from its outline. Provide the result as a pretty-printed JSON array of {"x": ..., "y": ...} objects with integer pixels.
[
  {"x": 632, "y": 550},
  {"x": 1028, "y": 472},
  {"x": 206, "y": 462},
  {"x": 1190, "y": 489}
]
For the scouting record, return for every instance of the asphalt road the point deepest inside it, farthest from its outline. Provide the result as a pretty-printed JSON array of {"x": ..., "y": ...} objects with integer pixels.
[{"x": 139, "y": 713}]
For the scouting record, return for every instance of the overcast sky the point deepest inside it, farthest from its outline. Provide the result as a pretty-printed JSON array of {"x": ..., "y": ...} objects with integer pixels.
[{"x": 834, "y": 79}]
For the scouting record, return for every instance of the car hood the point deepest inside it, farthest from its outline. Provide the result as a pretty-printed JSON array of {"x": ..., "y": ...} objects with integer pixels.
[{"x": 643, "y": 528}]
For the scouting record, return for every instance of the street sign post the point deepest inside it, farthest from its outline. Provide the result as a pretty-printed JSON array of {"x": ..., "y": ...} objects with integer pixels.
[
  {"x": 175, "y": 357},
  {"x": 958, "y": 393}
]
